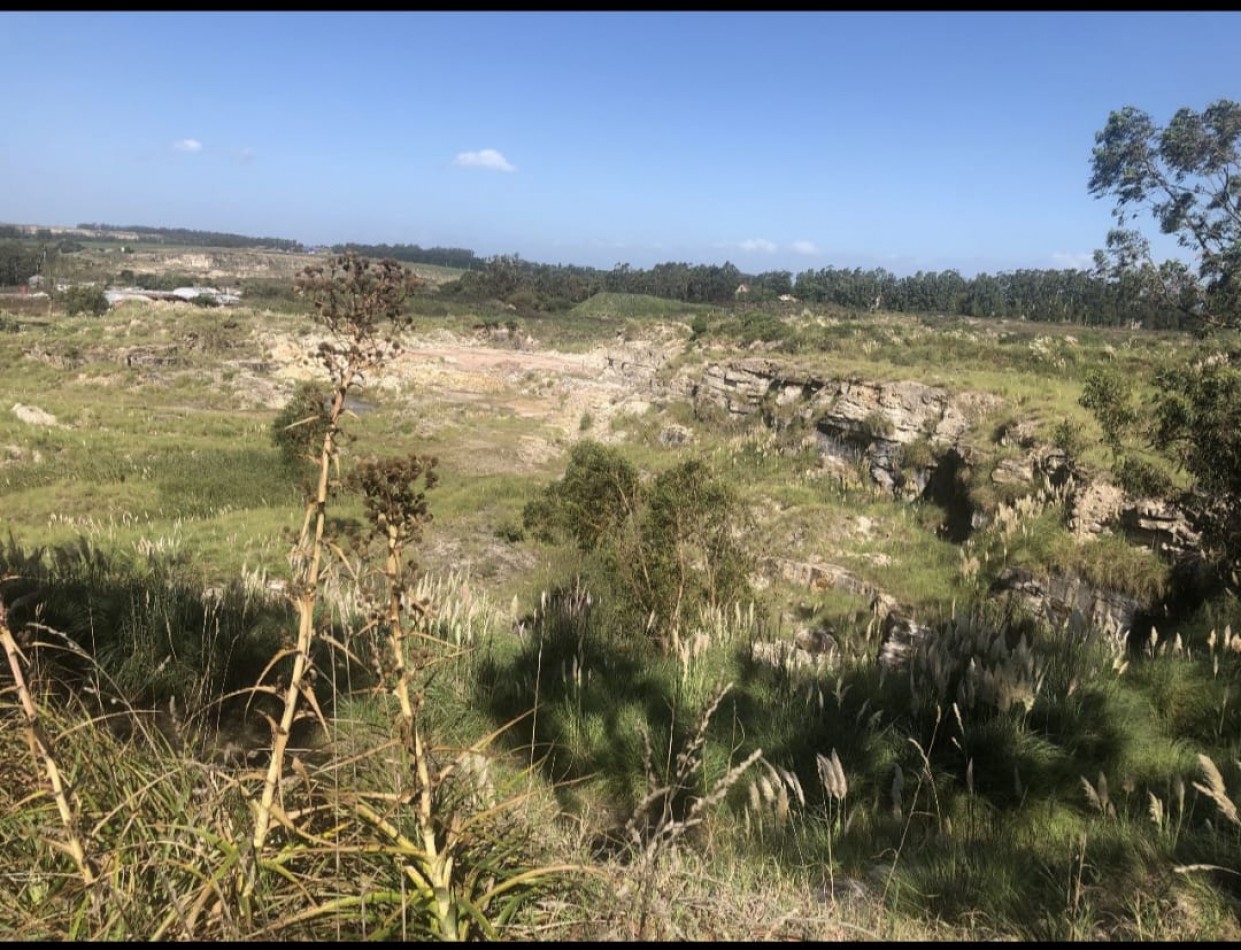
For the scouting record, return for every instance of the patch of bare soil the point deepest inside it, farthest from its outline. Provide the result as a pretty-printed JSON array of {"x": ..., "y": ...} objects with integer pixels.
[{"x": 545, "y": 386}]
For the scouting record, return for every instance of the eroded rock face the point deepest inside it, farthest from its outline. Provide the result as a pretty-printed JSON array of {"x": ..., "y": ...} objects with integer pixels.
[
  {"x": 1101, "y": 507},
  {"x": 1058, "y": 596},
  {"x": 900, "y": 636},
  {"x": 1095, "y": 508},
  {"x": 740, "y": 387},
  {"x": 915, "y": 440},
  {"x": 855, "y": 421},
  {"x": 820, "y": 575},
  {"x": 154, "y": 355},
  {"x": 636, "y": 360},
  {"x": 786, "y": 654},
  {"x": 898, "y": 413},
  {"x": 674, "y": 435},
  {"x": 1161, "y": 526}
]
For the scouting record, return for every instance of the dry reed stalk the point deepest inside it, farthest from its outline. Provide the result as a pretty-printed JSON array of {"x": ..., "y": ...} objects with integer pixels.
[
  {"x": 306, "y": 630},
  {"x": 42, "y": 748}
]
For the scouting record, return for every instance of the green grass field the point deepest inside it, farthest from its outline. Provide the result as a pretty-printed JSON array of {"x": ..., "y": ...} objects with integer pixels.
[{"x": 560, "y": 772}]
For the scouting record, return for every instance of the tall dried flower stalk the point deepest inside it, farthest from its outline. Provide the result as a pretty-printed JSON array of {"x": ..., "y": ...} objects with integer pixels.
[{"x": 42, "y": 748}]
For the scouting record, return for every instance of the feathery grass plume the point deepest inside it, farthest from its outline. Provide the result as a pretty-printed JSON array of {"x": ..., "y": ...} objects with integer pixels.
[
  {"x": 782, "y": 801},
  {"x": 1156, "y": 810},
  {"x": 1091, "y": 795},
  {"x": 1215, "y": 790},
  {"x": 756, "y": 802},
  {"x": 794, "y": 784},
  {"x": 771, "y": 795},
  {"x": 832, "y": 775}
]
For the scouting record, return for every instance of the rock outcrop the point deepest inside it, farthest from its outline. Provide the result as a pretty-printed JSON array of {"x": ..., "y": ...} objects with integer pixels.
[
  {"x": 820, "y": 575},
  {"x": 899, "y": 637},
  {"x": 1057, "y": 597},
  {"x": 896, "y": 432},
  {"x": 34, "y": 416},
  {"x": 915, "y": 440}
]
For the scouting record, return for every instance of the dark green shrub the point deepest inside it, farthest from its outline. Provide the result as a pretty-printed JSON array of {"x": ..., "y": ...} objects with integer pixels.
[
  {"x": 668, "y": 549},
  {"x": 1067, "y": 436},
  {"x": 1139, "y": 477},
  {"x": 1107, "y": 393},
  {"x": 598, "y": 492},
  {"x": 298, "y": 430},
  {"x": 83, "y": 299}
]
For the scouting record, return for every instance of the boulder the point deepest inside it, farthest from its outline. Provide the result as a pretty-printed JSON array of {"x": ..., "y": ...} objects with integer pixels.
[
  {"x": 34, "y": 416},
  {"x": 899, "y": 636}
]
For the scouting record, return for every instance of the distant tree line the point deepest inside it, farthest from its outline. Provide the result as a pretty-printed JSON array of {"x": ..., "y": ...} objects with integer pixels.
[
  {"x": 188, "y": 236},
  {"x": 23, "y": 258},
  {"x": 559, "y": 286},
  {"x": 1052, "y": 296},
  {"x": 1104, "y": 296},
  {"x": 1049, "y": 296},
  {"x": 148, "y": 281},
  {"x": 457, "y": 257}
]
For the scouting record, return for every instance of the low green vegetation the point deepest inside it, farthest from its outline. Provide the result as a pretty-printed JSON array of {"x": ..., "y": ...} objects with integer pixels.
[
  {"x": 1005, "y": 779},
  {"x": 338, "y": 615}
]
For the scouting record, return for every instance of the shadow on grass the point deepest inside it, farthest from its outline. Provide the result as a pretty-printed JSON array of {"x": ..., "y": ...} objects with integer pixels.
[
  {"x": 581, "y": 699},
  {"x": 146, "y": 634}
]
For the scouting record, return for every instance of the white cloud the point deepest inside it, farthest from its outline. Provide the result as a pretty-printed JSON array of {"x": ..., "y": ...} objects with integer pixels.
[
  {"x": 1076, "y": 261},
  {"x": 188, "y": 145},
  {"x": 759, "y": 244},
  {"x": 804, "y": 247},
  {"x": 487, "y": 158}
]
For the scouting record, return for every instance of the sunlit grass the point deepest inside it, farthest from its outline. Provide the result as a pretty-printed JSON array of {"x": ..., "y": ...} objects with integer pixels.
[{"x": 961, "y": 819}]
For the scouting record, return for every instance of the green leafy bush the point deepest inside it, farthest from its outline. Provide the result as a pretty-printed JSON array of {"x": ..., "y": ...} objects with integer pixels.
[
  {"x": 598, "y": 492},
  {"x": 668, "y": 548},
  {"x": 297, "y": 431},
  {"x": 83, "y": 299},
  {"x": 1067, "y": 436}
]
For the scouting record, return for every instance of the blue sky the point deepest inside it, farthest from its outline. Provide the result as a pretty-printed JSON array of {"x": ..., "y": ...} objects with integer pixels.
[{"x": 911, "y": 141}]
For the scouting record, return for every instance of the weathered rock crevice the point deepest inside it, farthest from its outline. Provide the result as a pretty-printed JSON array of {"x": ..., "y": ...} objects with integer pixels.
[
  {"x": 898, "y": 435},
  {"x": 915, "y": 441}
]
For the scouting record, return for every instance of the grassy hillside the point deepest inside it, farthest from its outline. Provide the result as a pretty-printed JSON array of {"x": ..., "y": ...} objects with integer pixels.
[{"x": 507, "y": 725}]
